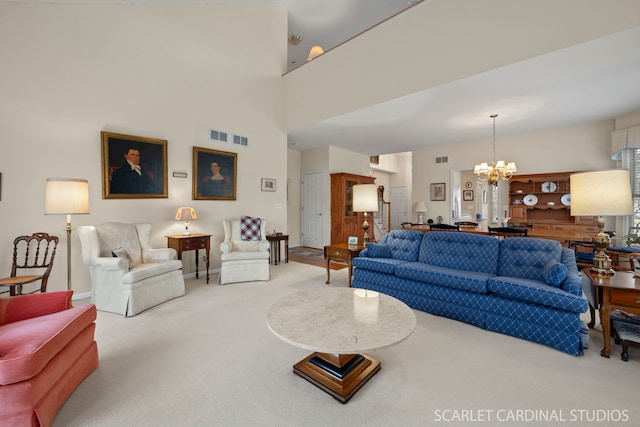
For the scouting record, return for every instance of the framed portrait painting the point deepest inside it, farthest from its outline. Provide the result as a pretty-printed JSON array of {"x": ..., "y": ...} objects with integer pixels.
[
  {"x": 214, "y": 174},
  {"x": 438, "y": 192},
  {"x": 133, "y": 167}
]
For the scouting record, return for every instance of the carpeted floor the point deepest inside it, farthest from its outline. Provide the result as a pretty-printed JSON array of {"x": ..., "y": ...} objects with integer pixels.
[{"x": 209, "y": 359}]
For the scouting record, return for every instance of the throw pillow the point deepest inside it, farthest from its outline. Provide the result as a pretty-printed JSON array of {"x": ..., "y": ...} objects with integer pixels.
[
  {"x": 120, "y": 253},
  {"x": 379, "y": 250},
  {"x": 249, "y": 228},
  {"x": 554, "y": 273}
]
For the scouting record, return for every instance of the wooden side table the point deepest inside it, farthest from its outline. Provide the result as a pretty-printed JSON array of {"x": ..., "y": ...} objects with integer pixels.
[
  {"x": 619, "y": 291},
  {"x": 191, "y": 242},
  {"x": 274, "y": 256},
  {"x": 341, "y": 252}
]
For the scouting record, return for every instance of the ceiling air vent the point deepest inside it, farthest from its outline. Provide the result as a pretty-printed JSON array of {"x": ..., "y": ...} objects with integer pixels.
[
  {"x": 241, "y": 140},
  {"x": 217, "y": 135}
]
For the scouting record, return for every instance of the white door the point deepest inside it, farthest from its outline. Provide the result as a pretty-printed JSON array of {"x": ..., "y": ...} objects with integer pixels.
[
  {"x": 312, "y": 208},
  {"x": 398, "y": 199}
]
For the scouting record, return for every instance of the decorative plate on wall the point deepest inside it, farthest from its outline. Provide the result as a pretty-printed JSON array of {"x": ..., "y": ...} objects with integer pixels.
[
  {"x": 530, "y": 199},
  {"x": 549, "y": 187}
]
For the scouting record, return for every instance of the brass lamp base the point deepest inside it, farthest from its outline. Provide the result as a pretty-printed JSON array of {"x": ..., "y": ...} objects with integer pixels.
[{"x": 601, "y": 261}]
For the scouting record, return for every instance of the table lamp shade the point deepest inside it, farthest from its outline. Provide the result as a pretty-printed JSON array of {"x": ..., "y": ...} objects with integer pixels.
[
  {"x": 420, "y": 207},
  {"x": 186, "y": 214},
  {"x": 66, "y": 196},
  {"x": 365, "y": 198},
  {"x": 601, "y": 193}
]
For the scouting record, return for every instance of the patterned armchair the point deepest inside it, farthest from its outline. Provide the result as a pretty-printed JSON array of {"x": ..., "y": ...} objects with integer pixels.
[{"x": 245, "y": 251}]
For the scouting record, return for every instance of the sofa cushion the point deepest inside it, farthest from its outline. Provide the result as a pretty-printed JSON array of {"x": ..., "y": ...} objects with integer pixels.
[
  {"x": 525, "y": 257},
  {"x": 404, "y": 244},
  {"x": 554, "y": 273},
  {"x": 460, "y": 251},
  {"x": 472, "y": 281},
  {"x": 144, "y": 271},
  {"x": 249, "y": 228},
  {"x": 28, "y": 345},
  {"x": 381, "y": 265},
  {"x": 379, "y": 250},
  {"x": 536, "y": 292}
]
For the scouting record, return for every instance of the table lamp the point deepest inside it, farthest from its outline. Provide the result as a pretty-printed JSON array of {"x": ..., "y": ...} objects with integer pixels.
[
  {"x": 420, "y": 208},
  {"x": 365, "y": 199},
  {"x": 601, "y": 193},
  {"x": 67, "y": 196},
  {"x": 186, "y": 214}
]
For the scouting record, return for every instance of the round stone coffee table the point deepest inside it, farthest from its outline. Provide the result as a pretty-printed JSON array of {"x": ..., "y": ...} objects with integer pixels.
[{"x": 338, "y": 324}]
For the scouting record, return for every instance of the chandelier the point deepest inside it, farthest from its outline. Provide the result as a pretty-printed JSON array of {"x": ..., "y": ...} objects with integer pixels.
[{"x": 495, "y": 171}]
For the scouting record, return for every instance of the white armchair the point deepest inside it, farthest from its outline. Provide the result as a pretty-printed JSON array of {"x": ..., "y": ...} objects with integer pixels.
[
  {"x": 243, "y": 260},
  {"x": 128, "y": 276}
]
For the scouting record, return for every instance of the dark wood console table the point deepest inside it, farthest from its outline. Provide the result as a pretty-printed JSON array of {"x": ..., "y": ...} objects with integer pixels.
[
  {"x": 619, "y": 291},
  {"x": 191, "y": 242}
]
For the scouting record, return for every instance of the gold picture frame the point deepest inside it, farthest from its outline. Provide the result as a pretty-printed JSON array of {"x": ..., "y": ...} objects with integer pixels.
[
  {"x": 133, "y": 167},
  {"x": 214, "y": 174}
]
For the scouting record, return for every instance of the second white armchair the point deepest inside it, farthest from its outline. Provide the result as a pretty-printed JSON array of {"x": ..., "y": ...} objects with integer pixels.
[{"x": 244, "y": 260}]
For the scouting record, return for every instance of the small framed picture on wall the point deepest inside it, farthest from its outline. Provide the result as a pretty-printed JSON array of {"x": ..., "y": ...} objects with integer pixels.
[
  {"x": 438, "y": 192},
  {"x": 467, "y": 195}
]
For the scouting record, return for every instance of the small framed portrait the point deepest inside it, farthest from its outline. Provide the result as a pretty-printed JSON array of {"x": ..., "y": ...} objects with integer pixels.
[
  {"x": 133, "y": 167},
  {"x": 214, "y": 174},
  {"x": 268, "y": 184},
  {"x": 467, "y": 195},
  {"x": 438, "y": 192},
  {"x": 353, "y": 240}
]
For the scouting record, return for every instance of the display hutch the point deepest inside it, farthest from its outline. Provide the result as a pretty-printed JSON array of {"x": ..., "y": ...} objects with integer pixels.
[
  {"x": 344, "y": 221},
  {"x": 544, "y": 202}
]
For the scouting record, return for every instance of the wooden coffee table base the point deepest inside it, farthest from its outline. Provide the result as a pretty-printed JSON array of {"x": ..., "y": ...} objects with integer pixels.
[{"x": 340, "y": 375}]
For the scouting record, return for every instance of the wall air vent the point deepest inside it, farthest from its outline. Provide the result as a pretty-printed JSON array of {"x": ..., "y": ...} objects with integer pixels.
[
  {"x": 218, "y": 135},
  {"x": 443, "y": 159},
  {"x": 241, "y": 140}
]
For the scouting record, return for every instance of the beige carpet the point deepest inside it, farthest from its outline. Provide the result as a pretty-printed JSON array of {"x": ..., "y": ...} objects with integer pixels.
[{"x": 208, "y": 359}]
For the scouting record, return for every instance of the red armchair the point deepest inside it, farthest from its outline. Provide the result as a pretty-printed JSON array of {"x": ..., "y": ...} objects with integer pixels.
[{"x": 47, "y": 348}]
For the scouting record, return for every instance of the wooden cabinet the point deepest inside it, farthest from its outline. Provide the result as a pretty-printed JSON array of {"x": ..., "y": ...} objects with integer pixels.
[
  {"x": 345, "y": 222},
  {"x": 544, "y": 200}
]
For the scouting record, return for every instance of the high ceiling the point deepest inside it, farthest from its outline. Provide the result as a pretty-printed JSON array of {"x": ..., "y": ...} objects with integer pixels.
[{"x": 597, "y": 80}]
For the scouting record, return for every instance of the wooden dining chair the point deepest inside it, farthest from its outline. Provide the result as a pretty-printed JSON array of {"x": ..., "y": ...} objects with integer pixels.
[
  {"x": 33, "y": 253},
  {"x": 508, "y": 232}
]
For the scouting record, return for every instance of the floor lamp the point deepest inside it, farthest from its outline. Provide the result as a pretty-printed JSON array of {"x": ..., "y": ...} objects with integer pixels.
[
  {"x": 601, "y": 193},
  {"x": 365, "y": 199},
  {"x": 67, "y": 196}
]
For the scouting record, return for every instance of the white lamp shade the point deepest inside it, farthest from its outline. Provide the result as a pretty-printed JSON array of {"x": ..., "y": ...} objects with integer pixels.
[
  {"x": 365, "y": 198},
  {"x": 186, "y": 214},
  {"x": 66, "y": 196},
  {"x": 601, "y": 193},
  {"x": 420, "y": 207}
]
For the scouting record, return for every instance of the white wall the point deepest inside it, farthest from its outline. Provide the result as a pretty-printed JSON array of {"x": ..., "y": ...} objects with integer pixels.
[{"x": 163, "y": 71}]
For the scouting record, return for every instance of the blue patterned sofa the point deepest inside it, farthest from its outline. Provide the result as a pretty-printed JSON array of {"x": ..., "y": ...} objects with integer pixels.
[{"x": 520, "y": 286}]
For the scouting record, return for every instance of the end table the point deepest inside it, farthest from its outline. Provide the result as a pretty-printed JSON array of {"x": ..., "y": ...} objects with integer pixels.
[
  {"x": 341, "y": 252},
  {"x": 191, "y": 242}
]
